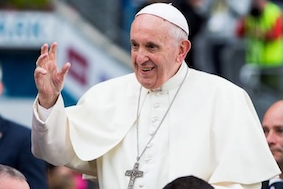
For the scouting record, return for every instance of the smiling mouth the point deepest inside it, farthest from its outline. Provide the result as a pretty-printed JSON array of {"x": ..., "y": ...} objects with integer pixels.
[{"x": 147, "y": 69}]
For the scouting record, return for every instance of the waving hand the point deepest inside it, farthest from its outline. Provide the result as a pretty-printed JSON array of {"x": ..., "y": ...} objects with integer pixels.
[{"x": 48, "y": 79}]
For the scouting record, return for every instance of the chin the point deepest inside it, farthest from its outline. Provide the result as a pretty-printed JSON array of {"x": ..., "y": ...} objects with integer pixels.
[
  {"x": 144, "y": 82},
  {"x": 278, "y": 157},
  {"x": 146, "y": 85}
]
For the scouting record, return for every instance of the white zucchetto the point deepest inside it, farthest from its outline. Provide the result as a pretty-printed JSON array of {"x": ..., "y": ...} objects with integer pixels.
[{"x": 167, "y": 12}]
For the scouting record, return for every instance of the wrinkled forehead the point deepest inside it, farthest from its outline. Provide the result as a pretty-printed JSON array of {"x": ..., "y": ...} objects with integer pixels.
[
  {"x": 151, "y": 28},
  {"x": 167, "y": 12}
]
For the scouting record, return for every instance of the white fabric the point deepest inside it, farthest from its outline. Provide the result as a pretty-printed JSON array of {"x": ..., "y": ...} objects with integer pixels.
[
  {"x": 212, "y": 132},
  {"x": 44, "y": 112},
  {"x": 167, "y": 12}
]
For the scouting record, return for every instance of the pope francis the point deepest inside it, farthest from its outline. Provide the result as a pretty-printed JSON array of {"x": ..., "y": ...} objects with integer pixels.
[{"x": 162, "y": 122}]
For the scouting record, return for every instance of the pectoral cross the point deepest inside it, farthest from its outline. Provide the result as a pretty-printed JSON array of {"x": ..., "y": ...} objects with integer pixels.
[{"x": 133, "y": 174}]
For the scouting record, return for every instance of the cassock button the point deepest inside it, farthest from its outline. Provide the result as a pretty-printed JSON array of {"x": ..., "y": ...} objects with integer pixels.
[
  {"x": 158, "y": 93},
  {"x": 154, "y": 119},
  {"x": 156, "y": 105}
]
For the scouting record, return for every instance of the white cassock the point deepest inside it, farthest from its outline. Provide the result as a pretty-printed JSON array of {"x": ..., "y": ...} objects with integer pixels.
[{"x": 212, "y": 131}]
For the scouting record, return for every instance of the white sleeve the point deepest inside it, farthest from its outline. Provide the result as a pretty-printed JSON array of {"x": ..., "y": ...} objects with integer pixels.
[
  {"x": 43, "y": 113},
  {"x": 50, "y": 139}
]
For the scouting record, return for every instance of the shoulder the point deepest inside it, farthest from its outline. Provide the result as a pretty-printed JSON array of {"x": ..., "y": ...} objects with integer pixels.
[
  {"x": 213, "y": 88},
  {"x": 273, "y": 8},
  {"x": 13, "y": 128},
  {"x": 226, "y": 97},
  {"x": 211, "y": 81}
]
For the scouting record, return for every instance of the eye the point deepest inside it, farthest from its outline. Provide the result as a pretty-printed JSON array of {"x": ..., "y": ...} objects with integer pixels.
[
  {"x": 279, "y": 130},
  {"x": 266, "y": 131},
  {"x": 151, "y": 46},
  {"x": 134, "y": 45}
]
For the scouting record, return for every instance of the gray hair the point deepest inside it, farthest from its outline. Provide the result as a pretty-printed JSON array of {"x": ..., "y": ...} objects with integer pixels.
[
  {"x": 177, "y": 33},
  {"x": 7, "y": 171}
]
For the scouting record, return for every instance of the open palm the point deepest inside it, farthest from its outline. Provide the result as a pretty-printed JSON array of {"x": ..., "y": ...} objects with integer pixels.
[{"x": 48, "y": 79}]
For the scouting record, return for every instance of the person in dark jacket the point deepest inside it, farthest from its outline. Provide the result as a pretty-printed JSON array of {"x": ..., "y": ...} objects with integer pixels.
[{"x": 15, "y": 148}]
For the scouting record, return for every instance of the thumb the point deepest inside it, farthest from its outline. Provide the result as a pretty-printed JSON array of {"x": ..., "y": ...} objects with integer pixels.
[{"x": 65, "y": 69}]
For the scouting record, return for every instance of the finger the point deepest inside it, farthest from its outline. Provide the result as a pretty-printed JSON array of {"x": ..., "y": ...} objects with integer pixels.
[
  {"x": 38, "y": 72},
  {"x": 65, "y": 69},
  {"x": 52, "y": 51},
  {"x": 41, "y": 60},
  {"x": 44, "y": 48}
]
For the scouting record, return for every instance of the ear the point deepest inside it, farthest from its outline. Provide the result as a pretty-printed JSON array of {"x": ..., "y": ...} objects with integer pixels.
[{"x": 184, "y": 48}]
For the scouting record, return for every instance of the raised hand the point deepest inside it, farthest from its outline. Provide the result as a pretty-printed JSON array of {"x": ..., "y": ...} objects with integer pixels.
[{"x": 48, "y": 79}]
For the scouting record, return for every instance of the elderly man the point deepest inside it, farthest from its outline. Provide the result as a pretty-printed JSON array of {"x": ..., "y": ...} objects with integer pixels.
[
  {"x": 272, "y": 124},
  {"x": 11, "y": 178},
  {"x": 162, "y": 122}
]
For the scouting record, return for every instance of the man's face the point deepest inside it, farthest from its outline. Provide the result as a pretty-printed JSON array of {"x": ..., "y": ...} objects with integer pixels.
[
  {"x": 273, "y": 128},
  {"x": 155, "y": 52}
]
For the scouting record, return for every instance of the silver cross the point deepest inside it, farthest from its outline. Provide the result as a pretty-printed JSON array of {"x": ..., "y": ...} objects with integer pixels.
[{"x": 133, "y": 174}]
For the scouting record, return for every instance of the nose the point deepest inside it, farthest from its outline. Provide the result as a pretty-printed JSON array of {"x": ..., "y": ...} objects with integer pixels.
[
  {"x": 271, "y": 137},
  {"x": 141, "y": 56}
]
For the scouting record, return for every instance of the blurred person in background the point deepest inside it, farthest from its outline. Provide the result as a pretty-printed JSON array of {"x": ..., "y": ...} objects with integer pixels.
[
  {"x": 194, "y": 12},
  {"x": 148, "y": 2},
  {"x": 61, "y": 177},
  {"x": 42, "y": 5},
  {"x": 262, "y": 30},
  {"x": 15, "y": 148},
  {"x": 11, "y": 178},
  {"x": 222, "y": 19},
  {"x": 272, "y": 124},
  {"x": 188, "y": 182},
  {"x": 278, "y": 2}
]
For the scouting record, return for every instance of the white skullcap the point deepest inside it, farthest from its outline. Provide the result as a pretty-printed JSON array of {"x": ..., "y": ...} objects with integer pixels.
[{"x": 167, "y": 12}]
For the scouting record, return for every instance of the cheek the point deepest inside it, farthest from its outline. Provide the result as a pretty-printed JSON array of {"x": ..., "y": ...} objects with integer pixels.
[
  {"x": 133, "y": 57},
  {"x": 133, "y": 61}
]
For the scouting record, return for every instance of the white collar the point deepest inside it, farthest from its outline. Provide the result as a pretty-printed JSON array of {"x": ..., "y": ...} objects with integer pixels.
[{"x": 174, "y": 81}]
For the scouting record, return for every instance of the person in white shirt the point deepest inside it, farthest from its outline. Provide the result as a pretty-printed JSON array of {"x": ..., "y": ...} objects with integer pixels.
[{"x": 162, "y": 122}]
